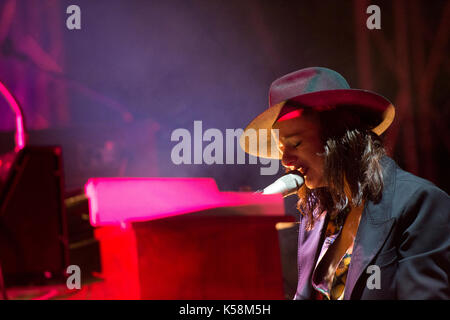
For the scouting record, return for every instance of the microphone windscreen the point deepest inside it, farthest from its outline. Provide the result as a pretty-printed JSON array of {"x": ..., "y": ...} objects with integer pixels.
[
  {"x": 286, "y": 185},
  {"x": 293, "y": 182}
]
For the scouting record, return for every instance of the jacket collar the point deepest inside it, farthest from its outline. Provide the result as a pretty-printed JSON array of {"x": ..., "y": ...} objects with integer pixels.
[{"x": 375, "y": 226}]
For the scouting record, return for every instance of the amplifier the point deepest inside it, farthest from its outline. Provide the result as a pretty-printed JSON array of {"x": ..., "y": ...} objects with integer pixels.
[{"x": 33, "y": 228}]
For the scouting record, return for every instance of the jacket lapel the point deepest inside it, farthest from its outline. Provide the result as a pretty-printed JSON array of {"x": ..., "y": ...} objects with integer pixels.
[
  {"x": 308, "y": 242},
  {"x": 375, "y": 226}
]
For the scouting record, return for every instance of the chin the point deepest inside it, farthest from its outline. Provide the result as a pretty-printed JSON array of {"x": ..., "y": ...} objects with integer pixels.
[
  {"x": 313, "y": 184},
  {"x": 310, "y": 184}
]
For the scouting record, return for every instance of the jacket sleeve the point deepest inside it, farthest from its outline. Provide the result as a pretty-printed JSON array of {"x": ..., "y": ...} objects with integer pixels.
[{"x": 424, "y": 265}]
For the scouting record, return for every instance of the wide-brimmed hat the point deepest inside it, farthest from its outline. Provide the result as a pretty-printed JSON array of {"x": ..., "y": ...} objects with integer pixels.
[{"x": 319, "y": 89}]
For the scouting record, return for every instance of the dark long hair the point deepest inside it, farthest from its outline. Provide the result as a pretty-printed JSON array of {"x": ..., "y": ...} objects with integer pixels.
[{"x": 352, "y": 154}]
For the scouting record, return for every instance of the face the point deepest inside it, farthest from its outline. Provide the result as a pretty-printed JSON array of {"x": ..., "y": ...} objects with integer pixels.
[{"x": 301, "y": 146}]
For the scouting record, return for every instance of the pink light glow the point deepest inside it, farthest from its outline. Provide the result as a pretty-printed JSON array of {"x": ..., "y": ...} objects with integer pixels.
[
  {"x": 20, "y": 129},
  {"x": 291, "y": 115},
  {"x": 115, "y": 201}
]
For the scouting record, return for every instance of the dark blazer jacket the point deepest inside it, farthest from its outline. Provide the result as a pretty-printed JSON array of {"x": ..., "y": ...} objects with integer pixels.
[{"x": 406, "y": 235}]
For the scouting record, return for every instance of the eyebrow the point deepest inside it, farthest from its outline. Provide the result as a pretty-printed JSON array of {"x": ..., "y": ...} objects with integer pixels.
[
  {"x": 293, "y": 135},
  {"x": 284, "y": 139}
]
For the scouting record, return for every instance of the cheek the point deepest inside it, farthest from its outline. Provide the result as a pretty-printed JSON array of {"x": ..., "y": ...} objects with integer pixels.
[
  {"x": 316, "y": 178},
  {"x": 314, "y": 155},
  {"x": 318, "y": 164}
]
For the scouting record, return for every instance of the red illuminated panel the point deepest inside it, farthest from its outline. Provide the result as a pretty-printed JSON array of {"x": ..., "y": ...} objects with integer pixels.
[{"x": 115, "y": 201}]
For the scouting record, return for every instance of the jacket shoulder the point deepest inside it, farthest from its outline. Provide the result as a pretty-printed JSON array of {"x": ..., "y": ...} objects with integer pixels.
[
  {"x": 411, "y": 186},
  {"x": 410, "y": 194},
  {"x": 422, "y": 211}
]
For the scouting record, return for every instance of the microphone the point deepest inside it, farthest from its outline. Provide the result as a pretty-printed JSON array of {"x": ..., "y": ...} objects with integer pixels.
[{"x": 286, "y": 185}]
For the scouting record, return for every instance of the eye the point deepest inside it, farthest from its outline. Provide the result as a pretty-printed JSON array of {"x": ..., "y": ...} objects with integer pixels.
[{"x": 297, "y": 144}]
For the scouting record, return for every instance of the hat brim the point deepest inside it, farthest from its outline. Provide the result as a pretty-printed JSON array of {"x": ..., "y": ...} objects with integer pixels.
[{"x": 362, "y": 101}]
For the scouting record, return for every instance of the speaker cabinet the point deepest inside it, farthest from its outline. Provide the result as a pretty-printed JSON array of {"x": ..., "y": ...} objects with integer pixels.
[{"x": 33, "y": 228}]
